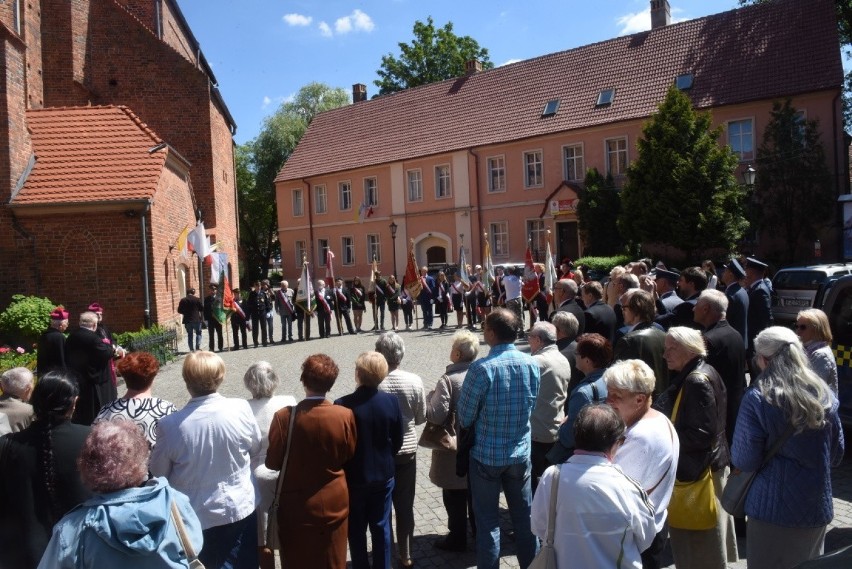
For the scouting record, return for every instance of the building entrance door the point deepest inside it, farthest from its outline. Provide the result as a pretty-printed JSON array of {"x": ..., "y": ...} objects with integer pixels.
[
  {"x": 568, "y": 244},
  {"x": 436, "y": 256}
]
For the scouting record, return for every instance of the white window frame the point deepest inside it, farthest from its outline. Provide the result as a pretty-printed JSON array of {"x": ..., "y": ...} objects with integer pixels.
[
  {"x": 414, "y": 181},
  {"x": 621, "y": 168},
  {"x": 537, "y": 236},
  {"x": 577, "y": 160},
  {"x": 743, "y": 156},
  {"x": 499, "y": 235},
  {"x": 495, "y": 166},
  {"x": 344, "y": 188},
  {"x": 374, "y": 247},
  {"x": 347, "y": 248},
  {"x": 322, "y": 247},
  {"x": 320, "y": 198},
  {"x": 538, "y": 164},
  {"x": 443, "y": 182},
  {"x": 298, "y": 202},
  {"x": 371, "y": 200},
  {"x": 301, "y": 251}
]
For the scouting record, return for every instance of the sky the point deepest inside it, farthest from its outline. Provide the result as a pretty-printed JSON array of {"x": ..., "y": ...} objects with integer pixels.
[{"x": 263, "y": 51}]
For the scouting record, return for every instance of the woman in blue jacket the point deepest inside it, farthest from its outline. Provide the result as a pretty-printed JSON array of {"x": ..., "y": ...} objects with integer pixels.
[
  {"x": 789, "y": 504},
  {"x": 128, "y": 521}
]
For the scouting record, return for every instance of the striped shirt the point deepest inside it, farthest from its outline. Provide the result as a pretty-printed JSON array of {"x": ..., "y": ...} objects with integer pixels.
[{"x": 497, "y": 397}]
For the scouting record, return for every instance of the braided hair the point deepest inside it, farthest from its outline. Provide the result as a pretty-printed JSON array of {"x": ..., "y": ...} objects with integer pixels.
[{"x": 53, "y": 399}]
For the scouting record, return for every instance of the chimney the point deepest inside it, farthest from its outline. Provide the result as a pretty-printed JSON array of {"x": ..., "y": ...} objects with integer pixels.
[
  {"x": 661, "y": 14},
  {"x": 359, "y": 92},
  {"x": 472, "y": 66}
]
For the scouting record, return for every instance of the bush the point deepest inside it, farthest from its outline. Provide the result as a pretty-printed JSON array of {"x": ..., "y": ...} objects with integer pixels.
[
  {"x": 602, "y": 265},
  {"x": 26, "y": 318},
  {"x": 12, "y": 358}
]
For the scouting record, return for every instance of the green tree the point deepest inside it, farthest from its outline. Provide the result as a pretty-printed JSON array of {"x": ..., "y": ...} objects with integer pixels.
[
  {"x": 258, "y": 163},
  {"x": 599, "y": 204},
  {"x": 433, "y": 55},
  {"x": 844, "y": 29},
  {"x": 681, "y": 190},
  {"x": 793, "y": 191}
]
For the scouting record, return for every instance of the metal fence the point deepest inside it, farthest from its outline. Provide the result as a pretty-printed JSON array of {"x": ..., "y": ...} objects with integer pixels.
[{"x": 162, "y": 346}]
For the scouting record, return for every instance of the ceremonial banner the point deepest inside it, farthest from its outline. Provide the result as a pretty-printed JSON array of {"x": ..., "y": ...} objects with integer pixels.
[
  {"x": 305, "y": 297},
  {"x": 549, "y": 273},
  {"x": 463, "y": 266},
  {"x": 329, "y": 268},
  {"x": 530, "y": 288},
  {"x": 223, "y": 302},
  {"x": 488, "y": 266},
  {"x": 411, "y": 281}
]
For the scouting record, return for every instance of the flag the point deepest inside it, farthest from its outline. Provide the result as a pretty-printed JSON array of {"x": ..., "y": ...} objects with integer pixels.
[
  {"x": 373, "y": 268},
  {"x": 218, "y": 263},
  {"x": 488, "y": 266},
  {"x": 181, "y": 244},
  {"x": 364, "y": 211},
  {"x": 411, "y": 281},
  {"x": 199, "y": 241},
  {"x": 549, "y": 273},
  {"x": 223, "y": 302},
  {"x": 463, "y": 266},
  {"x": 329, "y": 268},
  {"x": 530, "y": 288},
  {"x": 305, "y": 297}
]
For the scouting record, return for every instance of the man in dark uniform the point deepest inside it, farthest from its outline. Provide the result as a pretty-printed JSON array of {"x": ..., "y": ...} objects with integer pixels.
[
  {"x": 666, "y": 282},
  {"x": 259, "y": 306},
  {"x": 344, "y": 304},
  {"x": 427, "y": 296},
  {"x": 600, "y": 317},
  {"x": 238, "y": 322},
  {"x": 88, "y": 358},
  {"x": 214, "y": 327},
  {"x": 759, "y": 305},
  {"x": 737, "y": 313},
  {"x": 51, "y": 345},
  {"x": 692, "y": 281},
  {"x": 192, "y": 310},
  {"x": 565, "y": 299},
  {"x": 325, "y": 302}
]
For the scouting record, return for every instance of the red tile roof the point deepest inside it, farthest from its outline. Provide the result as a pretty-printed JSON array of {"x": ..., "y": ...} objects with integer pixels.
[
  {"x": 90, "y": 154},
  {"x": 781, "y": 48}
]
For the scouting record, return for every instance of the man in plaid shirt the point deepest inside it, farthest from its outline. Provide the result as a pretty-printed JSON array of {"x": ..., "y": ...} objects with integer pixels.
[{"x": 497, "y": 398}]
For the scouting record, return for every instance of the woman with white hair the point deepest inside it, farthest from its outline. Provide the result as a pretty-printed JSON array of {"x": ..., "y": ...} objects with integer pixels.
[
  {"x": 262, "y": 381},
  {"x": 789, "y": 503},
  {"x": 696, "y": 404},
  {"x": 441, "y": 403},
  {"x": 651, "y": 448}
]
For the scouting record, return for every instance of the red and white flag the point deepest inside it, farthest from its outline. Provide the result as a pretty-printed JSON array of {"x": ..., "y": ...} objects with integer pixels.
[
  {"x": 411, "y": 280},
  {"x": 329, "y": 268},
  {"x": 530, "y": 288}
]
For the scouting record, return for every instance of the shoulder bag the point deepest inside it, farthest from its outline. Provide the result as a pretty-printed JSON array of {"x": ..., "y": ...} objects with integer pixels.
[
  {"x": 272, "y": 541},
  {"x": 738, "y": 484},
  {"x": 441, "y": 437},
  {"x": 191, "y": 556},
  {"x": 546, "y": 557},
  {"x": 693, "y": 504}
]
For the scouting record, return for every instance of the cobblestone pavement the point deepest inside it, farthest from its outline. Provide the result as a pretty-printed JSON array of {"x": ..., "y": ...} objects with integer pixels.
[{"x": 427, "y": 354}]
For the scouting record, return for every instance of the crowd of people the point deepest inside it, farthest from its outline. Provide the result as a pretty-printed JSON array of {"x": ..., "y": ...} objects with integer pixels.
[{"x": 632, "y": 401}]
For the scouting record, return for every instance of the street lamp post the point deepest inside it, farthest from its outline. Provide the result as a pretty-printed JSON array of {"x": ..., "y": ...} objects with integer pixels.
[
  {"x": 749, "y": 175},
  {"x": 393, "y": 227}
]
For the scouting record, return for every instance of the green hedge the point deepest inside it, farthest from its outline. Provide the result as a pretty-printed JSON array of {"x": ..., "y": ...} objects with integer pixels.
[
  {"x": 12, "y": 358},
  {"x": 602, "y": 264}
]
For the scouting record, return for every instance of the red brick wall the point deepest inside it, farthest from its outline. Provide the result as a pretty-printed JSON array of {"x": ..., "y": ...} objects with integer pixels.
[
  {"x": 15, "y": 144},
  {"x": 31, "y": 19},
  {"x": 173, "y": 34}
]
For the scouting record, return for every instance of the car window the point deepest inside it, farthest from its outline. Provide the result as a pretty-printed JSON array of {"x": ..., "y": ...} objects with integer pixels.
[
  {"x": 841, "y": 318},
  {"x": 799, "y": 280}
]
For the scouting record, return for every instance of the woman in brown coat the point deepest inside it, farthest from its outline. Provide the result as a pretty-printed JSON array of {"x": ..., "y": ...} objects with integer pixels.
[{"x": 314, "y": 504}]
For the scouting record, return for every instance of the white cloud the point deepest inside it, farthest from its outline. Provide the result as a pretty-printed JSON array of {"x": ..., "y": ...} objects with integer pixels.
[
  {"x": 266, "y": 102},
  {"x": 275, "y": 102},
  {"x": 509, "y": 62},
  {"x": 325, "y": 29},
  {"x": 357, "y": 21},
  {"x": 634, "y": 22},
  {"x": 297, "y": 20}
]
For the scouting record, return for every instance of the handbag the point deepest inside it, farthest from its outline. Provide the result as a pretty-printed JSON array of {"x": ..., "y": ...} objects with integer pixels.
[
  {"x": 738, "y": 484},
  {"x": 546, "y": 556},
  {"x": 465, "y": 442},
  {"x": 191, "y": 556},
  {"x": 441, "y": 437},
  {"x": 272, "y": 541},
  {"x": 693, "y": 504}
]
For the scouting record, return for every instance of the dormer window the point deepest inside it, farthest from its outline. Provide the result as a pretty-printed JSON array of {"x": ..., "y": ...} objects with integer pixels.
[
  {"x": 550, "y": 108},
  {"x": 684, "y": 81},
  {"x": 605, "y": 98}
]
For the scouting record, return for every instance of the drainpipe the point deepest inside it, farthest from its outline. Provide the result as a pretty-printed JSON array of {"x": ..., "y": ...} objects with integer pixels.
[
  {"x": 310, "y": 221},
  {"x": 146, "y": 288},
  {"x": 478, "y": 200}
]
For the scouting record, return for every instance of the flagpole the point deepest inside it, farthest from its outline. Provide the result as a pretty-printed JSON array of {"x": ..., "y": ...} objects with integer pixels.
[{"x": 373, "y": 281}]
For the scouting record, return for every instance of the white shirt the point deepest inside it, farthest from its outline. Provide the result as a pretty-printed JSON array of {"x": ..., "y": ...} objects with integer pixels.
[
  {"x": 601, "y": 514},
  {"x": 649, "y": 456},
  {"x": 205, "y": 451},
  {"x": 512, "y": 286}
]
